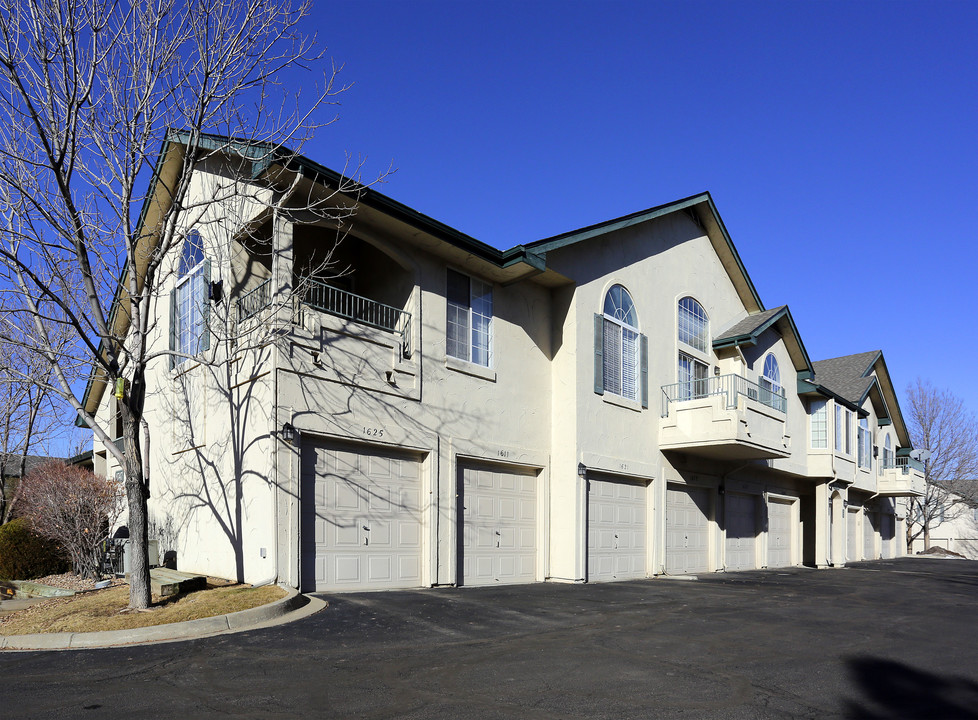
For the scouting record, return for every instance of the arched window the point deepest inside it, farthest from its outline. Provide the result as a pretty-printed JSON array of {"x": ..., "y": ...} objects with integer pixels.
[
  {"x": 620, "y": 344},
  {"x": 189, "y": 302},
  {"x": 771, "y": 377},
  {"x": 693, "y": 335},
  {"x": 694, "y": 325}
]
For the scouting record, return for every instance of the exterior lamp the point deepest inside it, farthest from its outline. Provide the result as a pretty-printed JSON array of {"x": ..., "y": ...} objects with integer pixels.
[
  {"x": 288, "y": 433},
  {"x": 581, "y": 469}
]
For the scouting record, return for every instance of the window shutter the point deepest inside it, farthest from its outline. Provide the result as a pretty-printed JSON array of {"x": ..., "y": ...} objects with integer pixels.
[
  {"x": 599, "y": 354},
  {"x": 643, "y": 368},
  {"x": 205, "y": 311},
  {"x": 173, "y": 327}
]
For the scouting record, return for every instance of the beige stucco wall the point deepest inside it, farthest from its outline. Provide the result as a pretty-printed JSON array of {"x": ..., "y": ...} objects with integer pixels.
[{"x": 226, "y": 487}]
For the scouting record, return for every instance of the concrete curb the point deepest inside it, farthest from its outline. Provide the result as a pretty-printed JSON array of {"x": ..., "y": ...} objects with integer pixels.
[{"x": 292, "y": 607}]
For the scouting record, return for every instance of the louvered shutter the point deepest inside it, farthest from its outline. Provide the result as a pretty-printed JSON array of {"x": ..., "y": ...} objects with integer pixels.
[
  {"x": 173, "y": 327},
  {"x": 643, "y": 369},
  {"x": 599, "y": 354},
  {"x": 205, "y": 310}
]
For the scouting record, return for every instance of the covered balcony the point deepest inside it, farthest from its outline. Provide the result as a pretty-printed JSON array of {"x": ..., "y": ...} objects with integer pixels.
[
  {"x": 725, "y": 417},
  {"x": 350, "y": 280},
  {"x": 901, "y": 477}
]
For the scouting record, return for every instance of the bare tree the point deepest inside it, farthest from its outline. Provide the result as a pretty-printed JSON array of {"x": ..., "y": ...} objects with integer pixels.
[
  {"x": 29, "y": 417},
  {"x": 110, "y": 107},
  {"x": 73, "y": 507},
  {"x": 938, "y": 421}
]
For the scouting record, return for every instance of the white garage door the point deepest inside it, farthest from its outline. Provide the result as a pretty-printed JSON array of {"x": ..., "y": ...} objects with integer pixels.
[
  {"x": 852, "y": 535},
  {"x": 615, "y": 530},
  {"x": 498, "y": 519},
  {"x": 361, "y": 519},
  {"x": 687, "y": 529},
  {"x": 741, "y": 531},
  {"x": 778, "y": 534},
  {"x": 870, "y": 523},
  {"x": 887, "y": 534}
]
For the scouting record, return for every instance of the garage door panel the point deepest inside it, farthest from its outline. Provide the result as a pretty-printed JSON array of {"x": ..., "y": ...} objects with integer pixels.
[
  {"x": 687, "y": 530},
  {"x": 869, "y": 535},
  {"x": 887, "y": 533},
  {"x": 741, "y": 531},
  {"x": 616, "y": 530},
  {"x": 853, "y": 546},
  {"x": 779, "y": 534},
  {"x": 361, "y": 519},
  {"x": 409, "y": 535},
  {"x": 500, "y": 507}
]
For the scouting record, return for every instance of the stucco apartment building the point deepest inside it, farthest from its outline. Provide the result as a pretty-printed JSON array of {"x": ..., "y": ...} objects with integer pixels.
[{"x": 615, "y": 402}]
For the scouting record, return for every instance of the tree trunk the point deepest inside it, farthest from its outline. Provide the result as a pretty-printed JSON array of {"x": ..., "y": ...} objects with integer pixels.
[
  {"x": 137, "y": 495},
  {"x": 926, "y": 535}
]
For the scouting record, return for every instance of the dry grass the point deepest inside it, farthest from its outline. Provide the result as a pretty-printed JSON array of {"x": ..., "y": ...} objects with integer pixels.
[{"x": 108, "y": 609}]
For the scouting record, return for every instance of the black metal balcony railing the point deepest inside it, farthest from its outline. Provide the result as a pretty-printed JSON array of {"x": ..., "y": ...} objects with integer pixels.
[
  {"x": 254, "y": 301},
  {"x": 328, "y": 299},
  {"x": 729, "y": 386}
]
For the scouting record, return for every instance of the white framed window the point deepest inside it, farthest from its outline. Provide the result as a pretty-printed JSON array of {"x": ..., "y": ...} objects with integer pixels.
[
  {"x": 843, "y": 429},
  {"x": 620, "y": 350},
  {"x": 189, "y": 307},
  {"x": 865, "y": 444},
  {"x": 889, "y": 461},
  {"x": 693, "y": 336},
  {"x": 621, "y": 344},
  {"x": 694, "y": 325},
  {"x": 469, "y": 319},
  {"x": 693, "y": 376},
  {"x": 819, "y": 420},
  {"x": 770, "y": 380}
]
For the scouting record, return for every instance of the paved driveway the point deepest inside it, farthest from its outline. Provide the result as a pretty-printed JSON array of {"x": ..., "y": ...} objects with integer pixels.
[{"x": 887, "y": 639}]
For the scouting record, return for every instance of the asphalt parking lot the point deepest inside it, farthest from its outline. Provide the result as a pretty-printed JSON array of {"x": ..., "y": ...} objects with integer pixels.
[{"x": 885, "y": 639}]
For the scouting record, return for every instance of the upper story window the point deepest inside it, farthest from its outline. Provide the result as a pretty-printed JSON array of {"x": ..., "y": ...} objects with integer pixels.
[
  {"x": 469, "y": 321},
  {"x": 620, "y": 351},
  {"x": 771, "y": 377},
  {"x": 693, "y": 334},
  {"x": 843, "y": 429},
  {"x": 818, "y": 414},
  {"x": 889, "y": 459},
  {"x": 189, "y": 302},
  {"x": 865, "y": 446},
  {"x": 621, "y": 344},
  {"x": 694, "y": 325}
]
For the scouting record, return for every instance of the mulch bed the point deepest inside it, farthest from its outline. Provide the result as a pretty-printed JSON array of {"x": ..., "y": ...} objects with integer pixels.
[{"x": 70, "y": 581}]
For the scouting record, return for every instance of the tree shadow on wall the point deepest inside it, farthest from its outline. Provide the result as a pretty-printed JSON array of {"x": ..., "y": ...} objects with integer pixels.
[{"x": 894, "y": 690}]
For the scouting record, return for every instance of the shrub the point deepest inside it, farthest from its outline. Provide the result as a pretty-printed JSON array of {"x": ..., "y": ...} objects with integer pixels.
[
  {"x": 25, "y": 555},
  {"x": 73, "y": 507}
]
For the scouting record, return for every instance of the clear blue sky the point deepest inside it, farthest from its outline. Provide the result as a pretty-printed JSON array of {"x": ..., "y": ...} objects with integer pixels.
[{"x": 837, "y": 138}]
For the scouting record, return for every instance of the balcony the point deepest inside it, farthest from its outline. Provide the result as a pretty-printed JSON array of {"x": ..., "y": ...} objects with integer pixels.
[
  {"x": 339, "y": 303},
  {"x": 342, "y": 304},
  {"x": 901, "y": 477},
  {"x": 724, "y": 417}
]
